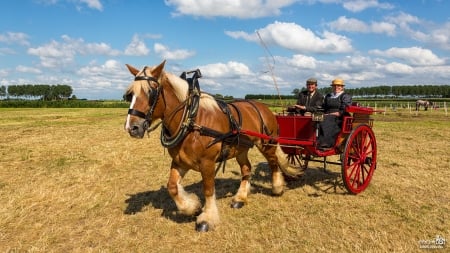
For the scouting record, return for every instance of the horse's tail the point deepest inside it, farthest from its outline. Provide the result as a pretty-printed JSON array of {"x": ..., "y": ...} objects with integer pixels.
[{"x": 285, "y": 166}]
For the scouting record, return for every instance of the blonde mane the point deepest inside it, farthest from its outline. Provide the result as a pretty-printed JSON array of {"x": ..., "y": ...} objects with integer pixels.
[{"x": 179, "y": 86}]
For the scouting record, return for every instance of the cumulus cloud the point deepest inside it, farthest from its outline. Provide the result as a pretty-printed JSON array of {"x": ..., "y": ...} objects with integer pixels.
[
  {"x": 137, "y": 47},
  {"x": 296, "y": 38},
  {"x": 413, "y": 55},
  {"x": 93, "y": 4},
  {"x": 243, "y": 9},
  {"x": 15, "y": 38},
  {"x": 165, "y": 53},
  {"x": 360, "y": 5},
  {"x": 397, "y": 68},
  {"x": 231, "y": 69},
  {"x": 354, "y": 25},
  {"x": 25, "y": 69},
  {"x": 63, "y": 53}
]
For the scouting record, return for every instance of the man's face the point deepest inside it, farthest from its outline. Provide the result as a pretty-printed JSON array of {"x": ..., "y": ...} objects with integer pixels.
[{"x": 311, "y": 87}]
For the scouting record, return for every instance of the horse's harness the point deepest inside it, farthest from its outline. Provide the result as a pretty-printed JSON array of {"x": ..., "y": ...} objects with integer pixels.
[{"x": 191, "y": 105}]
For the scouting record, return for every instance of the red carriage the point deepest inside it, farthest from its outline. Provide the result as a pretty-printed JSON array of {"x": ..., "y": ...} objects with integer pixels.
[{"x": 356, "y": 144}]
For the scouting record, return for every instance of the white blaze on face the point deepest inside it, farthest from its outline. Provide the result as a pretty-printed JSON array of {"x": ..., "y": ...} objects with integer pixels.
[{"x": 127, "y": 125}]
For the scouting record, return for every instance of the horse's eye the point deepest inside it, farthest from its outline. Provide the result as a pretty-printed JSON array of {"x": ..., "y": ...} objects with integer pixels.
[{"x": 128, "y": 97}]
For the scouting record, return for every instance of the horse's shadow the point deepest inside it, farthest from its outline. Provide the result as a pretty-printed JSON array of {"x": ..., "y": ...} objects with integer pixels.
[
  {"x": 320, "y": 180},
  {"x": 160, "y": 199}
]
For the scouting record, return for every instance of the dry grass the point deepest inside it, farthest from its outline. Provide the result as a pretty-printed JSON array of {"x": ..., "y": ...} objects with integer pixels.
[{"x": 71, "y": 180}]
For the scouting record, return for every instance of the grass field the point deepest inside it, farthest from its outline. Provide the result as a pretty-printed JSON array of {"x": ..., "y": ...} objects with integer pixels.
[{"x": 71, "y": 180}]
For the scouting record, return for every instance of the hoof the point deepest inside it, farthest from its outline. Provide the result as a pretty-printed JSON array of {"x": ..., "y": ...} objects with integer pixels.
[
  {"x": 202, "y": 227},
  {"x": 237, "y": 204}
]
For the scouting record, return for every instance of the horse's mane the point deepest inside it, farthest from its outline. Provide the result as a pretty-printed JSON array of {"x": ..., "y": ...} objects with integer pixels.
[{"x": 180, "y": 87}]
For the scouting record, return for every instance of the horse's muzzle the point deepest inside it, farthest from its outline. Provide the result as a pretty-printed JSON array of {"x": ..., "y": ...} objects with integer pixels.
[{"x": 136, "y": 130}]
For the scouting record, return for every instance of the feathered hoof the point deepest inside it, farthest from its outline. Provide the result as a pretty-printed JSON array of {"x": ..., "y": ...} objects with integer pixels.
[
  {"x": 202, "y": 227},
  {"x": 237, "y": 204}
]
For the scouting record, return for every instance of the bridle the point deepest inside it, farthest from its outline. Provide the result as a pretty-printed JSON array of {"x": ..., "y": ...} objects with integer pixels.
[{"x": 153, "y": 96}]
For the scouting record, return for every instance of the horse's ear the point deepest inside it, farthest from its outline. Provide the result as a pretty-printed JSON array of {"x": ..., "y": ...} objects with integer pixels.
[
  {"x": 158, "y": 69},
  {"x": 132, "y": 70}
]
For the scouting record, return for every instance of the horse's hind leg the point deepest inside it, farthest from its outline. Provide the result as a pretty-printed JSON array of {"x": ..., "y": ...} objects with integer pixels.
[
  {"x": 240, "y": 198},
  {"x": 187, "y": 203}
]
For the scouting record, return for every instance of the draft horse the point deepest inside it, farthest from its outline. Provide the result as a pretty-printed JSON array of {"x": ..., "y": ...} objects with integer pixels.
[
  {"x": 199, "y": 132},
  {"x": 424, "y": 103}
]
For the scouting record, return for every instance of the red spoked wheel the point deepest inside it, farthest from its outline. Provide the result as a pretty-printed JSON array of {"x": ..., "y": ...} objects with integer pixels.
[{"x": 359, "y": 159}]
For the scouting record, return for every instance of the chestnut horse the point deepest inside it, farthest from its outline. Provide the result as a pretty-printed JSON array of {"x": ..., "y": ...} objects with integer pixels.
[{"x": 199, "y": 132}]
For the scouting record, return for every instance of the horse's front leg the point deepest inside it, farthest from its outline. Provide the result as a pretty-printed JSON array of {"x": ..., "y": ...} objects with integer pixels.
[
  {"x": 209, "y": 217},
  {"x": 240, "y": 198},
  {"x": 187, "y": 203}
]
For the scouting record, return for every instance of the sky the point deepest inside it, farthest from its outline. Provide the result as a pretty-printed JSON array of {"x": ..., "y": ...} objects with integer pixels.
[{"x": 240, "y": 46}]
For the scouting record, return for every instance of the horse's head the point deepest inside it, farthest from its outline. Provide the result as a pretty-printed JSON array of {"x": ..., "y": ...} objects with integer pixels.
[{"x": 143, "y": 95}]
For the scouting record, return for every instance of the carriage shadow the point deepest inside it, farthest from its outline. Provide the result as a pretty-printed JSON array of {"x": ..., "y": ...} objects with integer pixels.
[{"x": 320, "y": 180}]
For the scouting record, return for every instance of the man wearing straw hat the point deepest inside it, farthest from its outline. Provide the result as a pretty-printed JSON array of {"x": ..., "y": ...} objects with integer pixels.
[{"x": 334, "y": 109}]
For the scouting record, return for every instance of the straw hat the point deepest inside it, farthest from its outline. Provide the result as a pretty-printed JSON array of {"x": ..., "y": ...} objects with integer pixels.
[{"x": 337, "y": 82}]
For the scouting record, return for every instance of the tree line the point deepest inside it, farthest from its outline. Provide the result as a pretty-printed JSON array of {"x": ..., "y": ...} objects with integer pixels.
[
  {"x": 37, "y": 91},
  {"x": 430, "y": 91}
]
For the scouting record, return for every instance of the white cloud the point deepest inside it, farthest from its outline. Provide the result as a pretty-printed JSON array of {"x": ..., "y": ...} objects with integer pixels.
[
  {"x": 25, "y": 69},
  {"x": 165, "y": 53},
  {"x": 230, "y": 69},
  {"x": 15, "y": 38},
  {"x": 296, "y": 38},
  {"x": 397, "y": 68},
  {"x": 243, "y": 9},
  {"x": 413, "y": 55},
  {"x": 302, "y": 61},
  {"x": 354, "y": 25},
  {"x": 93, "y": 4},
  {"x": 137, "y": 47},
  {"x": 63, "y": 53},
  {"x": 360, "y": 5}
]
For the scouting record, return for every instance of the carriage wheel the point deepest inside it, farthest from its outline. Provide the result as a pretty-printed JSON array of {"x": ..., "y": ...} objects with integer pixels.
[
  {"x": 359, "y": 159},
  {"x": 299, "y": 161}
]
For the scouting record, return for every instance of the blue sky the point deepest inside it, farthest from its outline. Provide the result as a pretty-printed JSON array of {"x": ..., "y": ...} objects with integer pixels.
[{"x": 86, "y": 43}]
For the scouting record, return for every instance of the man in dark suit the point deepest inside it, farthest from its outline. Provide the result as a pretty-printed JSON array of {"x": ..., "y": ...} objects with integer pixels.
[{"x": 309, "y": 100}]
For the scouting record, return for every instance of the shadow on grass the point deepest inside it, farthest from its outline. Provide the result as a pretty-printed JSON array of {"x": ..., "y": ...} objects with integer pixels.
[
  {"x": 323, "y": 181},
  {"x": 160, "y": 199}
]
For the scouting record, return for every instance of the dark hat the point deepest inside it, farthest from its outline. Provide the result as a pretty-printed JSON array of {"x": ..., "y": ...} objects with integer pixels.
[{"x": 311, "y": 80}]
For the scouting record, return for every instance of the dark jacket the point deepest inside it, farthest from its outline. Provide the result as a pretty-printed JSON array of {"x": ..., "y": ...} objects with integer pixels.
[
  {"x": 338, "y": 104},
  {"x": 312, "y": 103},
  {"x": 330, "y": 127}
]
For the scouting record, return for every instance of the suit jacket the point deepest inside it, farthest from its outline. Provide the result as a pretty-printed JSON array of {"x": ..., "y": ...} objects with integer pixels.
[{"x": 312, "y": 103}]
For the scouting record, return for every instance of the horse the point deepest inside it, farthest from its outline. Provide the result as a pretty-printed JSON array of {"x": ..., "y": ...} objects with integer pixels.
[
  {"x": 200, "y": 132},
  {"x": 424, "y": 103}
]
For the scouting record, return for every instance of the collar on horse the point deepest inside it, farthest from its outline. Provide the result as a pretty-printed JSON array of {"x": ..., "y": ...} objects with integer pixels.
[{"x": 191, "y": 105}]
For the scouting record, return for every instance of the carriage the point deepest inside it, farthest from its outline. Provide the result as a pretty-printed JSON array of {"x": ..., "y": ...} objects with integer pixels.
[{"x": 355, "y": 144}]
